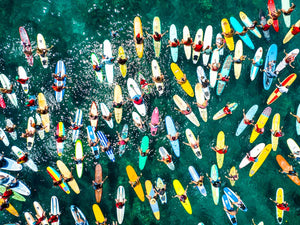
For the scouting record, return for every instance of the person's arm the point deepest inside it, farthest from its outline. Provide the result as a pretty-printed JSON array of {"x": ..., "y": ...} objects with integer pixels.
[
  {"x": 186, "y": 143},
  {"x": 104, "y": 179}
]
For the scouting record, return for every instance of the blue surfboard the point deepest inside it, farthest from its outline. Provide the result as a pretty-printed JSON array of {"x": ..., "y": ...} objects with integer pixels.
[
  {"x": 171, "y": 129},
  {"x": 250, "y": 114},
  {"x": 225, "y": 73},
  {"x": 60, "y": 70},
  {"x": 78, "y": 122},
  {"x": 92, "y": 136},
  {"x": 271, "y": 56},
  {"x": 234, "y": 198},
  {"x": 174, "y": 50},
  {"x": 103, "y": 142},
  {"x": 238, "y": 27},
  {"x": 227, "y": 205}
]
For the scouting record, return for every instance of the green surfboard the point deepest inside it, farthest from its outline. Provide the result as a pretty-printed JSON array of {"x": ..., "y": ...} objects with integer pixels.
[{"x": 144, "y": 147}]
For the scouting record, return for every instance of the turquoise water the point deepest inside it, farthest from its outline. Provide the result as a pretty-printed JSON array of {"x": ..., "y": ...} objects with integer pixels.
[{"x": 77, "y": 28}]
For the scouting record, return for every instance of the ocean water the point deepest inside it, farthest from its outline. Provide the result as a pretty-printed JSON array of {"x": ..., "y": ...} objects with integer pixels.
[{"x": 77, "y": 28}]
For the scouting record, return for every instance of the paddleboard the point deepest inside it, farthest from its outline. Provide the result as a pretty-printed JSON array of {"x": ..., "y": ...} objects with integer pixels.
[
  {"x": 214, "y": 174},
  {"x": 30, "y": 140},
  {"x": 253, "y": 153},
  {"x": 201, "y": 78},
  {"x": 92, "y": 136},
  {"x": 153, "y": 202},
  {"x": 94, "y": 112},
  {"x": 118, "y": 98},
  {"x": 257, "y": 58},
  {"x": 160, "y": 184},
  {"x": 23, "y": 75},
  {"x": 105, "y": 112},
  {"x": 220, "y": 114},
  {"x": 187, "y": 49},
  {"x": 201, "y": 99},
  {"x": 260, "y": 160},
  {"x": 171, "y": 130},
  {"x": 246, "y": 20},
  {"x": 109, "y": 67},
  {"x": 60, "y": 70},
  {"x": 103, "y": 142},
  {"x": 164, "y": 154},
  {"x": 21, "y": 188},
  {"x": 272, "y": 8},
  {"x": 285, "y": 165},
  {"x": 121, "y": 198},
  {"x": 249, "y": 115},
  {"x": 144, "y": 147},
  {"x": 271, "y": 56},
  {"x": 56, "y": 177},
  {"x": 25, "y": 41},
  {"x": 225, "y": 73},
  {"x": 195, "y": 177},
  {"x": 135, "y": 91},
  {"x": 186, "y": 86},
  {"x": 214, "y": 74},
  {"x": 121, "y": 55},
  {"x": 132, "y": 176},
  {"x": 261, "y": 122},
  {"x": 174, "y": 50},
  {"x": 41, "y": 44},
  {"x": 237, "y": 54},
  {"x": 98, "y": 180},
  {"x": 9, "y": 123},
  {"x": 283, "y": 63},
  {"x": 40, "y": 132},
  {"x": 137, "y": 27},
  {"x": 156, "y": 28},
  {"x": 154, "y": 120},
  {"x": 60, "y": 132},
  {"x": 227, "y": 205},
  {"x": 279, "y": 200},
  {"x": 180, "y": 191},
  {"x": 294, "y": 147},
  {"x": 198, "y": 37},
  {"x": 98, "y": 214},
  {"x": 289, "y": 34},
  {"x": 220, "y": 145},
  {"x": 67, "y": 174},
  {"x": 226, "y": 28},
  {"x": 79, "y": 155},
  {"x": 233, "y": 197},
  {"x": 78, "y": 122},
  {"x": 6, "y": 84},
  {"x": 45, "y": 117},
  {"x": 192, "y": 140},
  {"x": 157, "y": 73},
  {"x": 275, "y": 127},
  {"x": 207, "y": 42},
  {"x": 55, "y": 209},
  {"x": 18, "y": 152},
  {"x": 95, "y": 61},
  {"x": 124, "y": 135}
]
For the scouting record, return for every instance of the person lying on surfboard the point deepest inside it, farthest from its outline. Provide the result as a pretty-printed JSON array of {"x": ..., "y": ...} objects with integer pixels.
[
  {"x": 258, "y": 129},
  {"x": 118, "y": 105},
  {"x": 289, "y": 171},
  {"x": 233, "y": 177},
  {"x": 103, "y": 223},
  {"x": 122, "y": 61},
  {"x": 104, "y": 149},
  {"x": 223, "y": 78},
  {"x": 137, "y": 99},
  {"x": 98, "y": 186},
  {"x": 220, "y": 42},
  {"x": 139, "y": 125},
  {"x": 58, "y": 88},
  {"x": 275, "y": 14},
  {"x": 60, "y": 78},
  {"x": 199, "y": 182},
  {"x": 289, "y": 11},
  {"x": 138, "y": 39},
  {"x": 214, "y": 66},
  {"x": 53, "y": 218},
  {"x": 136, "y": 182},
  {"x": 198, "y": 46},
  {"x": 152, "y": 199},
  {"x": 173, "y": 138},
  {"x": 229, "y": 34},
  {"x": 156, "y": 36},
  {"x": 23, "y": 159},
  {"x": 154, "y": 125},
  {"x": 9, "y": 129},
  {"x": 7, "y": 91},
  {"x": 215, "y": 183},
  {"x": 182, "y": 197},
  {"x": 174, "y": 43},
  {"x": 243, "y": 33},
  {"x": 181, "y": 80},
  {"x": 160, "y": 191},
  {"x": 187, "y": 42},
  {"x": 27, "y": 49},
  {"x": 92, "y": 143},
  {"x": 194, "y": 145},
  {"x": 121, "y": 140},
  {"x": 187, "y": 111},
  {"x": 297, "y": 117},
  {"x": 42, "y": 111},
  {"x": 78, "y": 160},
  {"x": 107, "y": 118},
  {"x": 166, "y": 160},
  {"x": 203, "y": 105},
  {"x": 267, "y": 25},
  {"x": 220, "y": 151},
  {"x": 231, "y": 211},
  {"x": 277, "y": 133},
  {"x": 59, "y": 182},
  {"x": 74, "y": 126},
  {"x": 253, "y": 25},
  {"x": 159, "y": 79},
  {"x": 143, "y": 154},
  {"x": 239, "y": 60},
  {"x": 246, "y": 120},
  {"x": 28, "y": 133},
  {"x": 208, "y": 50},
  {"x": 120, "y": 204},
  {"x": 43, "y": 52},
  {"x": 282, "y": 206},
  {"x": 226, "y": 110},
  {"x": 282, "y": 89},
  {"x": 4, "y": 205},
  {"x": 258, "y": 63}
]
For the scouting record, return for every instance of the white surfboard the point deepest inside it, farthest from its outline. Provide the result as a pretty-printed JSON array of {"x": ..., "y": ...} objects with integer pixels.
[
  {"x": 214, "y": 74},
  {"x": 121, "y": 197},
  {"x": 23, "y": 75},
  {"x": 156, "y": 73},
  {"x": 253, "y": 153},
  {"x": 187, "y": 49},
  {"x": 5, "y": 139},
  {"x": 285, "y": 4},
  {"x": 42, "y": 45},
  {"x": 283, "y": 64},
  {"x": 18, "y": 152},
  {"x": 133, "y": 90},
  {"x": 55, "y": 209},
  {"x": 6, "y": 84},
  {"x": 207, "y": 42},
  {"x": 198, "y": 37},
  {"x": 30, "y": 140},
  {"x": 105, "y": 112},
  {"x": 41, "y": 133},
  {"x": 109, "y": 67},
  {"x": 201, "y": 78},
  {"x": 257, "y": 57},
  {"x": 137, "y": 119},
  {"x": 39, "y": 211},
  {"x": 13, "y": 135},
  {"x": 218, "y": 40},
  {"x": 294, "y": 147}
]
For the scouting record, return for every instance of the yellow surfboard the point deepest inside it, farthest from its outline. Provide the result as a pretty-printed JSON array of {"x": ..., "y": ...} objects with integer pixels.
[
  {"x": 226, "y": 28},
  {"x": 279, "y": 200},
  {"x": 138, "y": 29},
  {"x": 138, "y": 188},
  {"x": 260, "y": 160},
  {"x": 179, "y": 74},
  {"x": 201, "y": 99},
  {"x": 118, "y": 98},
  {"x": 67, "y": 174},
  {"x": 10, "y": 208},
  {"x": 233, "y": 172},
  {"x": 261, "y": 122},
  {"x": 123, "y": 68},
  {"x": 154, "y": 204},
  {"x": 179, "y": 191},
  {"x": 289, "y": 34},
  {"x": 275, "y": 127},
  {"x": 238, "y": 52},
  {"x": 45, "y": 117},
  {"x": 98, "y": 214},
  {"x": 220, "y": 145}
]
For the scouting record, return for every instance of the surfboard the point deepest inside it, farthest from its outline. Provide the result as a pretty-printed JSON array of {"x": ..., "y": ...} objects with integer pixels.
[
  {"x": 144, "y": 147},
  {"x": 260, "y": 160},
  {"x": 121, "y": 54},
  {"x": 198, "y": 37},
  {"x": 67, "y": 174},
  {"x": 98, "y": 179},
  {"x": 25, "y": 41},
  {"x": 56, "y": 176},
  {"x": 201, "y": 99},
  {"x": 105, "y": 112},
  {"x": 195, "y": 177},
  {"x": 275, "y": 127},
  {"x": 233, "y": 197},
  {"x": 10, "y": 208},
  {"x": 121, "y": 198},
  {"x": 226, "y": 28},
  {"x": 214, "y": 174},
  {"x": 14, "y": 196},
  {"x": 9, "y": 164},
  {"x": 248, "y": 22},
  {"x": 79, "y": 155},
  {"x": 132, "y": 176},
  {"x": 285, "y": 165},
  {"x": 21, "y": 188},
  {"x": 137, "y": 27},
  {"x": 289, "y": 34},
  {"x": 30, "y": 140},
  {"x": 92, "y": 136},
  {"x": 253, "y": 153},
  {"x": 261, "y": 122},
  {"x": 227, "y": 205},
  {"x": 118, "y": 98},
  {"x": 186, "y": 86},
  {"x": 40, "y": 132},
  {"x": 78, "y": 122},
  {"x": 238, "y": 27},
  {"x": 124, "y": 135},
  {"x": 187, "y": 49},
  {"x": 60, "y": 70},
  {"x": 214, "y": 74},
  {"x": 41, "y": 43},
  {"x": 237, "y": 54},
  {"x": 23, "y": 75},
  {"x": 94, "y": 112},
  {"x": 298, "y": 124},
  {"x": 98, "y": 214},
  {"x": 285, "y": 4},
  {"x": 192, "y": 140},
  {"x": 207, "y": 42},
  {"x": 271, "y": 56},
  {"x": 219, "y": 41},
  {"x": 109, "y": 67},
  {"x": 164, "y": 154},
  {"x": 40, "y": 211},
  {"x": 160, "y": 184},
  {"x": 9, "y": 123},
  {"x": 45, "y": 117},
  {"x": 157, "y": 73},
  {"x": 153, "y": 202},
  {"x": 283, "y": 63},
  {"x": 6, "y": 84},
  {"x": 104, "y": 142},
  {"x": 18, "y": 152},
  {"x": 55, "y": 209},
  {"x": 135, "y": 91},
  {"x": 279, "y": 200},
  {"x": 263, "y": 21},
  {"x": 220, "y": 114},
  {"x": 29, "y": 218},
  {"x": 272, "y": 8},
  {"x": 294, "y": 147},
  {"x": 180, "y": 191},
  {"x": 156, "y": 28},
  {"x": 225, "y": 73},
  {"x": 138, "y": 120},
  {"x": 154, "y": 120},
  {"x": 201, "y": 78},
  {"x": 171, "y": 130},
  {"x": 249, "y": 115},
  {"x": 76, "y": 213},
  {"x": 60, "y": 132},
  {"x": 257, "y": 59},
  {"x": 5, "y": 139},
  {"x": 220, "y": 145},
  {"x": 174, "y": 50},
  {"x": 95, "y": 61}
]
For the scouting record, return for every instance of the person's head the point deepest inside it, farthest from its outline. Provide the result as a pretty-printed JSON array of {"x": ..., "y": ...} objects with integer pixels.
[
  {"x": 189, "y": 39},
  {"x": 142, "y": 82},
  {"x": 33, "y": 125},
  {"x": 173, "y": 138},
  {"x": 294, "y": 6},
  {"x": 278, "y": 10},
  {"x": 188, "y": 109},
  {"x": 244, "y": 28},
  {"x": 152, "y": 201},
  {"x": 254, "y": 22},
  {"x": 136, "y": 98},
  {"x": 287, "y": 86},
  {"x": 156, "y": 33},
  {"x": 270, "y": 22},
  {"x": 199, "y": 42},
  {"x": 175, "y": 40}
]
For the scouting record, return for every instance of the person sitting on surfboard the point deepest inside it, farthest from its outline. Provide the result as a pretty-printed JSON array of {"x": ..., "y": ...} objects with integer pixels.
[
  {"x": 253, "y": 25},
  {"x": 203, "y": 105},
  {"x": 28, "y": 133},
  {"x": 214, "y": 66},
  {"x": 152, "y": 199},
  {"x": 239, "y": 60},
  {"x": 229, "y": 34},
  {"x": 78, "y": 219},
  {"x": 136, "y": 182},
  {"x": 42, "y": 111},
  {"x": 107, "y": 118},
  {"x": 93, "y": 116},
  {"x": 166, "y": 160},
  {"x": 231, "y": 211},
  {"x": 156, "y": 36},
  {"x": 96, "y": 66},
  {"x": 281, "y": 88},
  {"x": 243, "y": 33},
  {"x": 257, "y": 63},
  {"x": 267, "y": 25},
  {"x": 154, "y": 125},
  {"x": 175, "y": 43},
  {"x": 93, "y": 143},
  {"x": 139, "y": 125},
  {"x": 104, "y": 149},
  {"x": 59, "y": 78},
  {"x": 53, "y": 218},
  {"x": 6, "y": 194},
  {"x": 220, "y": 151},
  {"x": 158, "y": 79},
  {"x": 295, "y": 30},
  {"x": 137, "y": 99},
  {"x": 22, "y": 81},
  {"x": 40, "y": 218},
  {"x": 43, "y": 52},
  {"x": 26, "y": 49},
  {"x": 173, "y": 138},
  {"x": 187, "y": 111},
  {"x": 181, "y": 80},
  {"x": 199, "y": 182},
  {"x": 122, "y": 61},
  {"x": 58, "y": 88},
  {"x": 77, "y": 160},
  {"x": 275, "y": 14},
  {"x": 182, "y": 197},
  {"x": 143, "y": 154},
  {"x": 233, "y": 177},
  {"x": 289, "y": 11},
  {"x": 10, "y": 129},
  {"x": 205, "y": 82},
  {"x": 160, "y": 191},
  {"x": 297, "y": 117},
  {"x": 118, "y": 105},
  {"x": 289, "y": 171},
  {"x": 282, "y": 206},
  {"x": 7, "y": 91},
  {"x": 194, "y": 145},
  {"x": 13, "y": 183},
  {"x": 108, "y": 60},
  {"x": 259, "y": 130},
  {"x": 214, "y": 183},
  {"x": 75, "y": 126},
  {"x": 59, "y": 138},
  {"x": 98, "y": 186},
  {"x": 208, "y": 50},
  {"x": 246, "y": 120},
  {"x": 187, "y": 42},
  {"x": 120, "y": 204},
  {"x": 250, "y": 158},
  {"x": 277, "y": 133},
  {"x": 103, "y": 223},
  {"x": 295, "y": 155},
  {"x": 289, "y": 59},
  {"x": 226, "y": 110},
  {"x": 31, "y": 101},
  {"x": 198, "y": 46},
  {"x": 223, "y": 78},
  {"x": 139, "y": 39},
  {"x": 23, "y": 159}
]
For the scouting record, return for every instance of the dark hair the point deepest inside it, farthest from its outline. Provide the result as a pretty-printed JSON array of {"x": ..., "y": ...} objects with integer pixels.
[
  {"x": 156, "y": 33},
  {"x": 175, "y": 39},
  {"x": 199, "y": 42}
]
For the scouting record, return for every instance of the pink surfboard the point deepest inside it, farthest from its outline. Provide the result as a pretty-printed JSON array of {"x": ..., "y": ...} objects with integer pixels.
[
  {"x": 154, "y": 120},
  {"x": 2, "y": 102}
]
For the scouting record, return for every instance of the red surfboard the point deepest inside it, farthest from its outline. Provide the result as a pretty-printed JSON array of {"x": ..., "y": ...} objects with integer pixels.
[{"x": 272, "y": 8}]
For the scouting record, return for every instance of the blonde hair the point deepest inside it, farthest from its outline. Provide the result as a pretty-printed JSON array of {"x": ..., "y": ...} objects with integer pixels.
[{"x": 270, "y": 22}]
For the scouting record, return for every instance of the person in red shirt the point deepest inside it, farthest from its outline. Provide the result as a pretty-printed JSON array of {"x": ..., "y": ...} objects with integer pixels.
[
  {"x": 58, "y": 88},
  {"x": 187, "y": 111},
  {"x": 121, "y": 140},
  {"x": 295, "y": 30},
  {"x": 226, "y": 110},
  {"x": 7, "y": 193},
  {"x": 250, "y": 158},
  {"x": 259, "y": 130},
  {"x": 187, "y": 42},
  {"x": 156, "y": 36},
  {"x": 198, "y": 47},
  {"x": 166, "y": 160},
  {"x": 246, "y": 120},
  {"x": 23, "y": 159},
  {"x": 220, "y": 151},
  {"x": 277, "y": 133},
  {"x": 267, "y": 25},
  {"x": 120, "y": 204},
  {"x": 283, "y": 206},
  {"x": 137, "y": 99},
  {"x": 22, "y": 81},
  {"x": 53, "y": 218},
  {"x": 223, "y": 78},
  {"x": 174, "y": 43}
]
